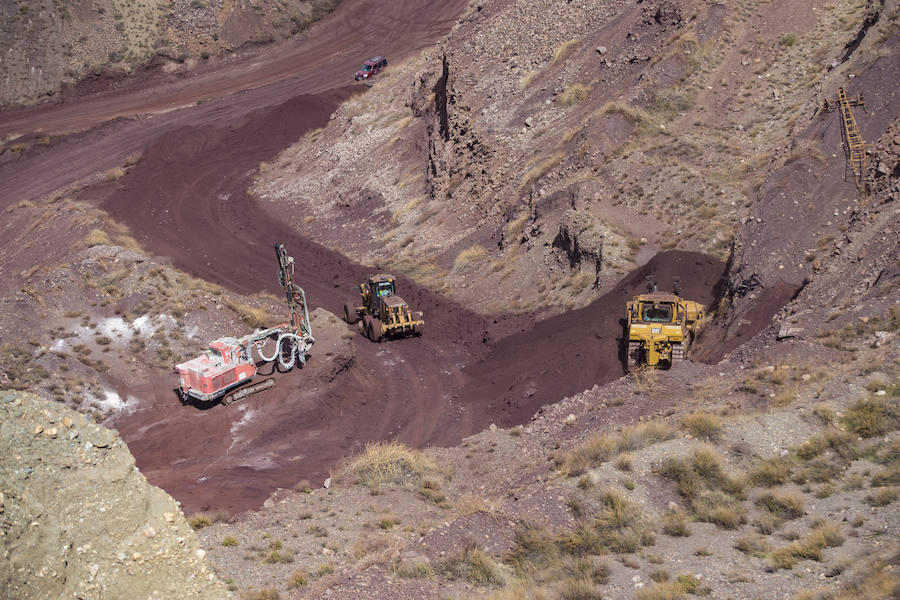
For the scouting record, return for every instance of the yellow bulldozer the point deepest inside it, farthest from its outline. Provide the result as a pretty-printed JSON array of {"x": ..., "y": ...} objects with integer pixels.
[{"x": 660, "y": 327}]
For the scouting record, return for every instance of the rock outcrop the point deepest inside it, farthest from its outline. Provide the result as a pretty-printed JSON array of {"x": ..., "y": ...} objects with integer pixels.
[{"x": 78, "y": 520}]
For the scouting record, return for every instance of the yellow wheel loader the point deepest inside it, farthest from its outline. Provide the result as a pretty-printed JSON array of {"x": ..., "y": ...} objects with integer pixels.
[
  {"x": 383, "y": 312},
  {"x": 660, "y": 327}
]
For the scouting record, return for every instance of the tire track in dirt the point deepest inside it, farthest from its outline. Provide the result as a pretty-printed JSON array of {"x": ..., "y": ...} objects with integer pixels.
[{"x": 186, "y": 200}]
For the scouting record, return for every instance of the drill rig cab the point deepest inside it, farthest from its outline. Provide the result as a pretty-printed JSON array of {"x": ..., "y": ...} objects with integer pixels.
[{"x": 226, "y": 369}]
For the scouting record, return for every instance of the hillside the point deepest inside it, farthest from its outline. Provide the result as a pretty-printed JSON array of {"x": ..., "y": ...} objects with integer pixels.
[
  {"x": 522, "y": 169},
  {"x": 50, "y": 47}
]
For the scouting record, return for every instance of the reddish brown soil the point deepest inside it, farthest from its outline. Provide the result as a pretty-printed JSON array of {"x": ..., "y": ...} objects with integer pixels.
[
  {"x": 186, "y": 200},
  {"x": 569, "y": 353}
]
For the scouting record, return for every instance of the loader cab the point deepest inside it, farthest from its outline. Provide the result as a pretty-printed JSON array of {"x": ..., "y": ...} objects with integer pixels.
[
  {"x": 384, "y": 288},
  {"x": 381, "y": 286}
]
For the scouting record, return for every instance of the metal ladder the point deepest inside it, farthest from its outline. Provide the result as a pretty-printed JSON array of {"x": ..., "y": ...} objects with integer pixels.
[{"x": 856, "y": 148}]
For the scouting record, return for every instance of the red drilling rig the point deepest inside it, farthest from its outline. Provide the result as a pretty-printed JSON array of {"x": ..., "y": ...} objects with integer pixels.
[{"x": 227, "y": 368}]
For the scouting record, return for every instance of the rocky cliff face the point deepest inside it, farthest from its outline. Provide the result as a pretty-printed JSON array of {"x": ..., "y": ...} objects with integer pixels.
[{"x": 78, "y": 520}]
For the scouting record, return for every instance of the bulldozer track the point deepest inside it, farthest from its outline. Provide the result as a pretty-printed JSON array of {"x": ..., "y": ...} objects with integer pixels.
[
  {"x": 677, "y": 353},
  {"x": 631, "y": 358}
]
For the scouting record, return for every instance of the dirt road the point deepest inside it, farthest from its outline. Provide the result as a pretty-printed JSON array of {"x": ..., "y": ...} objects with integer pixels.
[
  {"x": 186, "y": 200},
  {"x": 323, "y": 58}
]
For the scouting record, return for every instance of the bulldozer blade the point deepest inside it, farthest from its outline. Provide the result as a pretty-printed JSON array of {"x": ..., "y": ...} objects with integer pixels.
[{"x": 245, "y": 391}]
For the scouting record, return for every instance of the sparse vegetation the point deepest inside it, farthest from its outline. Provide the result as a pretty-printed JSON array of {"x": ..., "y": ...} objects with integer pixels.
[
  {"x": 601, "y": 448},
  {"x": 702, "y": 425},
  {"x": 388, "y": 463},
  {"x": 200, "y": 520},
  {"x": 563, "y": 50},
  {"x": 808, "y": 547},
  {"x": 473, "y": 565},
  {"x": 297, "y": 579},
  {"x": 574, "y": 94}
]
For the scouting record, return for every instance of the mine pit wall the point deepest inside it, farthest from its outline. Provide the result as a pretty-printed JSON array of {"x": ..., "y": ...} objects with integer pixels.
[{"x": 804, "y": 215}]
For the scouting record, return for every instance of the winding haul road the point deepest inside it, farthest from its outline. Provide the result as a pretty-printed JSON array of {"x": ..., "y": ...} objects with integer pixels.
[{"x": 186, "y": 200}]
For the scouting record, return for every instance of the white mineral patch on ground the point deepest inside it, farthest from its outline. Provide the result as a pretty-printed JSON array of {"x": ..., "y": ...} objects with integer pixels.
[{"x": 238, "y": 425}]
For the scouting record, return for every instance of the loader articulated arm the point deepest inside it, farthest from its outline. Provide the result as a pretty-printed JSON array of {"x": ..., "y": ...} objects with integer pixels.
[{"x": 294, "y": 294}]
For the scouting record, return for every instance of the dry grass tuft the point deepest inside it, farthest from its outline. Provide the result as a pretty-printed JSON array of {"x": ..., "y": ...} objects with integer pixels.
[
  {"x": 702, "y": 425},
  {"x": 97, "y": 237},
  {"x": 574, "y": 94},
  {"x": 809, "y": 547},
  {"x": 257, "y": 318},
  {"x": 114, "y": 174},
  {"x": 714, "y": 495},
  {"x": 563, "y": 50},
  {"x": 675, "y": 590},
  {"x": 473, "y": 565},
  {"x": 527, "y": 79},
  {"x": 754, "y": 545},
  {"x": 544, "y": 167},
  {"x": 873, "y": 416},
  {"x": 268, "y": 593},
  {"x": 600, "y": 448},
  {"x": 471, "y": 255},
  {"x": 770, "y": 472},
  {"x": 297, "y": 579},
  {"x": 675, "y": 523},
  {"x": 388, "y": 463},
  {"x": 783, "y": 504}
]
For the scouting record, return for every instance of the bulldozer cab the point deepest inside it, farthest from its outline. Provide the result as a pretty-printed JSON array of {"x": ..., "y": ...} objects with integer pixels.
[{"x": 656, "y": 312}]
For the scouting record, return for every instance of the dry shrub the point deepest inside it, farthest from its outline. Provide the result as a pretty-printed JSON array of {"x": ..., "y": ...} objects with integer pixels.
[
  {"x": 770, "y": 472},
  {"x": 472, "y": 254},
  {"x": 574, "y": 94},
  {"x": 809, "y": 547},
  {"x": 114, "y": 174},
  {"x": 785, "y": 505},
  {"x": 872, "y": 416},
  {"x": 702, "y": 425},
  {"x": 97, "y": 237},
  {"x": 600, "y": 448},
  {"x": 564, "y": 49},
  {"x": 473, "y": 565},
  {"x": 388, "y": 463}
]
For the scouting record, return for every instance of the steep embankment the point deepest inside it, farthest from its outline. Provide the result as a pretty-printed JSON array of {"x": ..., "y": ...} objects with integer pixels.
[{"x": 78, "y": 520}]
